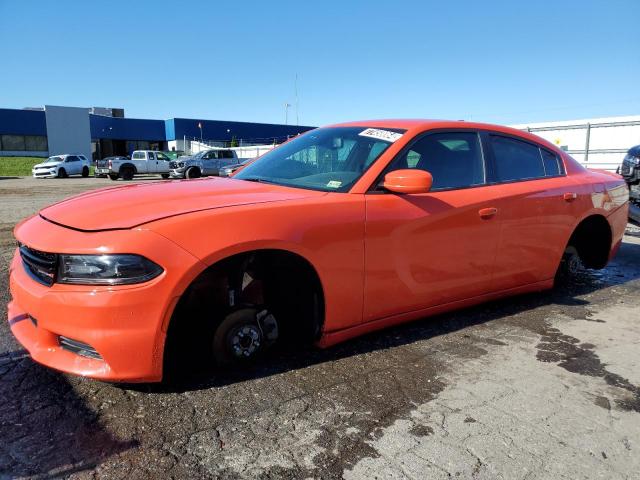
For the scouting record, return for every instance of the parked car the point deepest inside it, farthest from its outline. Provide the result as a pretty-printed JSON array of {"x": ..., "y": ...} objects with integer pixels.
[
  {"x": 630, "y": 171},
  {"x": 202, "y": 164},
  {"x": 341, "y": 231},
  {"x": 141, "y": 162},
  {"x": 101, "y": 165},
  {"x": 630, "y": 168},
  {"x": 231, "y": 169},
  {"x": 61, "y": 166}
]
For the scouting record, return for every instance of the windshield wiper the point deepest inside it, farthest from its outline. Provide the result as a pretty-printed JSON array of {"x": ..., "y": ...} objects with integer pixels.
[{"x": 255, "y": 179}]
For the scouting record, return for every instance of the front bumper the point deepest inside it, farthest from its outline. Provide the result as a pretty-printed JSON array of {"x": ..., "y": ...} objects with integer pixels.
[
  {"x": 177, "y": 173},
  {"x": 126, "y": 325},
  {"x": 630, "y": 171},
  {"x": 44, "y": 173}
]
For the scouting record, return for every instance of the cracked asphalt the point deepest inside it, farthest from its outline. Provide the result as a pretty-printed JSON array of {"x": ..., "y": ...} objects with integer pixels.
[{"x": 544, "y": 385}]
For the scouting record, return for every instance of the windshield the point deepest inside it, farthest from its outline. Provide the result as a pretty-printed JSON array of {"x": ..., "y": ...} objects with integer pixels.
[
  {"x": 327, "y": 159},
  {"x": 54, "y": 159},
  {"x": 200, "y": 154}
]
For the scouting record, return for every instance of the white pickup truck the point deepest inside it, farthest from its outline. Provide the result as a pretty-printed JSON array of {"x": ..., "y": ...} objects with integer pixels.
[{"x": 142, "y": 162}]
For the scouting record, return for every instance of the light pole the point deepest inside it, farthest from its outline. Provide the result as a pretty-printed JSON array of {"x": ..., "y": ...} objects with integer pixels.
[
  {"x": 286, "y": 113},
  {"x": 200, "y": 127}
]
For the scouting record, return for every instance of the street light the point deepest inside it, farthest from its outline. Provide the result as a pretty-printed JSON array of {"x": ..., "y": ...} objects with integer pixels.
[
  {"x": 200, "y": 127},
  {"x": 286, "y": 113}
]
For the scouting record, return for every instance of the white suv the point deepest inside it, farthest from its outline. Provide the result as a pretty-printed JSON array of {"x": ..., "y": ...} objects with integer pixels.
[{"x": 61, "y": 166}]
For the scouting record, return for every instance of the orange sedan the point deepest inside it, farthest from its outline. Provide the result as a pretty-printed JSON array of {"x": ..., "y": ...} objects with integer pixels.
[{"x": 343, "y": 230}]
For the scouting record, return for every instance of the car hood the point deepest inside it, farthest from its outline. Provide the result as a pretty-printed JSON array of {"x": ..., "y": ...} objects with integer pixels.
[
  {"x": 128, "y": 206},
  {"x": 47, "y": 164}
]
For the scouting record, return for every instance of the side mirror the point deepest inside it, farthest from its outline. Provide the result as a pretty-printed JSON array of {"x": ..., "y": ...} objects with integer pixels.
[{"x": 408, "y": 181}]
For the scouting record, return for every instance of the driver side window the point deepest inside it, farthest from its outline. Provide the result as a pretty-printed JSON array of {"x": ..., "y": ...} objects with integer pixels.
[{"x": 453, "y": 159}]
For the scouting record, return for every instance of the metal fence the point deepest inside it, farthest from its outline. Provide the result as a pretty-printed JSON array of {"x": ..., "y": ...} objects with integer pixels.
[{"x": 598, "y": 144}]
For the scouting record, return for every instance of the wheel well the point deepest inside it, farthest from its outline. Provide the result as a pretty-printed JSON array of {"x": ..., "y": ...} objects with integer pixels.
[
  {"x": 284, "y": 282},
  {"x": 592, "y": 239},
  {"x": 128, "y": 165}
]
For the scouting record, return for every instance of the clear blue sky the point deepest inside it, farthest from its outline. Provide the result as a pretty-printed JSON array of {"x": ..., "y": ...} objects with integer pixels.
[{"x": 498, "y": 61}]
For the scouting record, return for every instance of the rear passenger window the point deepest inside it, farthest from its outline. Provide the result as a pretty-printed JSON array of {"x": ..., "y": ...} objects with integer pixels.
[
  {"x": 516, "y": 160},
  {"x": 454, "y": 159},
  {"x": 551, "y": 163}
]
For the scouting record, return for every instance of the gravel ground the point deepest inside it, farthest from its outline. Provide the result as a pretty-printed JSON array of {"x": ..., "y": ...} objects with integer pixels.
[{"x": 538, "y": 386}]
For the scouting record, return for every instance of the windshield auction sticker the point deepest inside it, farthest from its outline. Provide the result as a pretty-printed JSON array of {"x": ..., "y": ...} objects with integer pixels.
[{"x": 385, "y": 135}]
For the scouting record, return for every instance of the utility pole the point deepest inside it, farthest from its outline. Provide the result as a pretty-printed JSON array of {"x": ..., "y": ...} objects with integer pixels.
[
  {"x": 286, "y": 113},
  {"x": 295, "y": 87}
]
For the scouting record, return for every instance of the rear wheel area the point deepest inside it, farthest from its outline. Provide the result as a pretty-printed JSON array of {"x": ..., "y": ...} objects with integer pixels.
[
  {"x": 85, "y": 172},
  {"x": 588, "y": 248},
  {"x": 571, "y": 264},
  {"x": 127, "y": 173}
]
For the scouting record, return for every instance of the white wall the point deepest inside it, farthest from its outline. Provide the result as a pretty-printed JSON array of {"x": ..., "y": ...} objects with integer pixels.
[
  {"x": 68, "y": 130},
  {"x": 252, "y": 151},
  {"x": 609, "y": 138}
]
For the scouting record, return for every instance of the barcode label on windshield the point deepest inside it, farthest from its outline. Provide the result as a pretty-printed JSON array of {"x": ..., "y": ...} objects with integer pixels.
[{"x": 385, "y": 135}]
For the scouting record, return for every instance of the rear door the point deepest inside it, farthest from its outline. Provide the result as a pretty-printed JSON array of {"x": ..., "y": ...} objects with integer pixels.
[
  {"x": 139, "y": 159},
  {"x": 536, "y": 208},
  {"x": 226, "y": 158},
  {"x": 423, "y": 250},
  {"x": 73, "y": 165}
]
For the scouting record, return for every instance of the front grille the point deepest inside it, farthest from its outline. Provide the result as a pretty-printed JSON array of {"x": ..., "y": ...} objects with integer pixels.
[
  {"x": 40, "y": 265},
  {"x": 79, "y": 348}
]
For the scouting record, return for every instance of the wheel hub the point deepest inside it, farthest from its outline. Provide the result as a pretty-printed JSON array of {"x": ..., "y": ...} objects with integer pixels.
[
  {"x": 246, "y": 341},
  {"x": 574, "y": 264}
]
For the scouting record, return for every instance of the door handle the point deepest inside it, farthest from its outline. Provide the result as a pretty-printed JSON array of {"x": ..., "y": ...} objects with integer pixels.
[
  {"x": 487, "y": 212},
  {"x": 570, "y": 196}
]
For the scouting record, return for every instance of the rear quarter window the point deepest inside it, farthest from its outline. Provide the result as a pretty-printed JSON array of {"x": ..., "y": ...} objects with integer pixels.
[
  {"x": 515, "y": 159},
  {"x": 552, "y": 163},
  {"x": 138, "y": 156}
]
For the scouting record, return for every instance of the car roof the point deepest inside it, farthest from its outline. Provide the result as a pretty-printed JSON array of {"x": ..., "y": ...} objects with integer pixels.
[
  {"x": 424, "y": 124},
  {"x": 417, "y": 125}
]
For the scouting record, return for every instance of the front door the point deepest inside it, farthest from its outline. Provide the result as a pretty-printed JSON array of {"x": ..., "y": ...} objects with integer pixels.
[
  {"x": 210, "y": 163},
  {"x": 423, "y": 250},
  {"x": 162, "y": 163}
]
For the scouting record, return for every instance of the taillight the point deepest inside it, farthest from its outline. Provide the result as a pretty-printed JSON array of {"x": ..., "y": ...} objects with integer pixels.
[{"x": 109, "y": 163}]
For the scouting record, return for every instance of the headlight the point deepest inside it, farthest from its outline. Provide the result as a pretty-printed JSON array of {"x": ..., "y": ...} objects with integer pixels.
[
  {"x": 181, "y": 164},
  {"x": 106, "y": 269},
  {"x": 633, "y": 160}
]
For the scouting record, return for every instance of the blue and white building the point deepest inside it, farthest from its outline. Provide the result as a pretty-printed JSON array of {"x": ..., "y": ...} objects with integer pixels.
[{"x": 102, "y": 132}]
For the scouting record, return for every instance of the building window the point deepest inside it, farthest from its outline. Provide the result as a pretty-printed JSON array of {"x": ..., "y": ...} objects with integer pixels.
[
  {"x": 36, "y": 143},
  {"x": 13, "y": 142},
  {"x": 23, "y": 143}
]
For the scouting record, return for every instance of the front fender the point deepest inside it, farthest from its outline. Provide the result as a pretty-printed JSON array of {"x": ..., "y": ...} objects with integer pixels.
[{"x": 327, "y": 231}]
